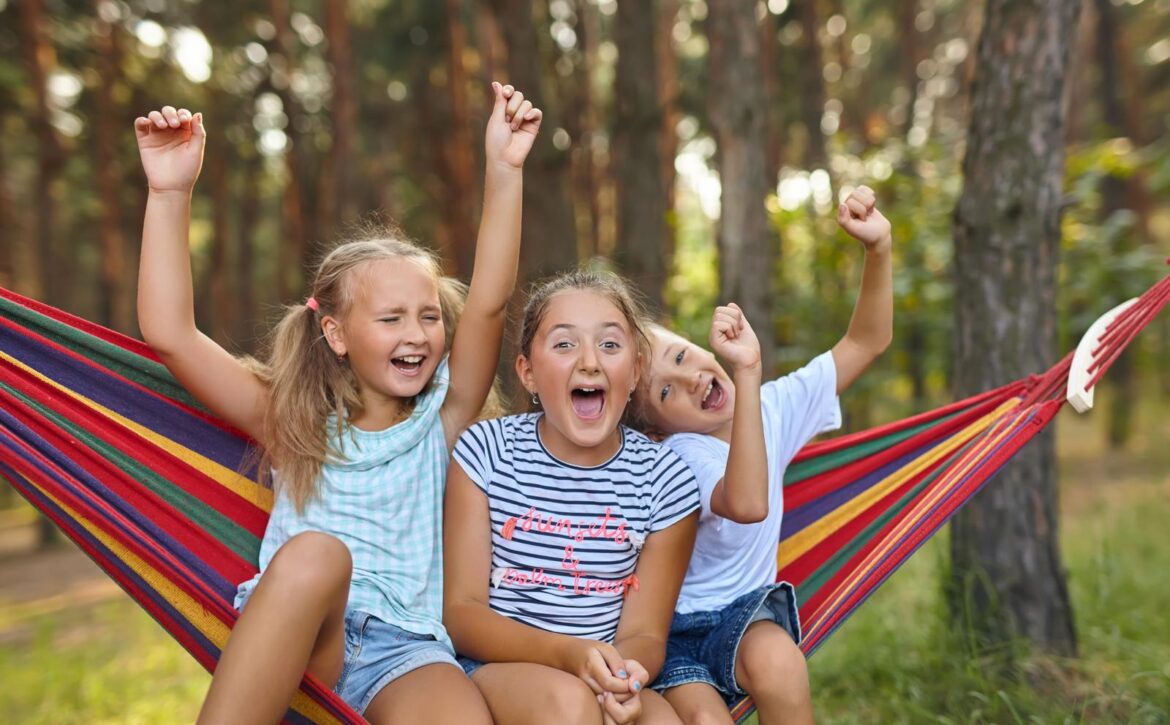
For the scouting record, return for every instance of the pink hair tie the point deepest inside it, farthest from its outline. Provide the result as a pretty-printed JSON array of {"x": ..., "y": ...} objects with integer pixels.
[{"x": 311, "y": 303}]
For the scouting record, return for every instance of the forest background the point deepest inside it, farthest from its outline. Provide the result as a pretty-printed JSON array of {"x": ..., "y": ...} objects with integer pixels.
[{"x": 322, "y": 113}]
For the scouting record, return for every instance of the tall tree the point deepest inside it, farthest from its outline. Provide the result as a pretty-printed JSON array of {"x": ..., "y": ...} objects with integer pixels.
[
  {"x": 812, "y": 84},
  {"x": 550, "y": 240},
  {"x": 40, "y": 60},
  {"x": 457, "y": 165},
  {"x": 294, "y": 239},
  {"x": 737, "y": 113},
  {"x": 337, "y": 184},
  {"x": 1009, "y": 576},
  {"x": 643, "y": 250},
  {"x": 117, "y": 286}
]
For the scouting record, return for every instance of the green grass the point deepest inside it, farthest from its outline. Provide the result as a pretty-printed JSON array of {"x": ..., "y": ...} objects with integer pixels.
[
  {"x": 896, "y": 660},
  {"x": 105, "y": 664}
]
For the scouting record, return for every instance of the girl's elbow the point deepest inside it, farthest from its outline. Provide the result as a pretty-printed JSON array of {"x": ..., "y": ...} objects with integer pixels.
[{"x": 749, "y": 513}]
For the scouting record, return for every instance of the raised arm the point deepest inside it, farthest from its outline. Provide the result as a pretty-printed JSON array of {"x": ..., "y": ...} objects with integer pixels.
[
  {"x": 171, "y": 143},
  {"x": 742, "y": 494},
  {"x": 475, "y": 350},
  {"x": 872, "y": 326}
]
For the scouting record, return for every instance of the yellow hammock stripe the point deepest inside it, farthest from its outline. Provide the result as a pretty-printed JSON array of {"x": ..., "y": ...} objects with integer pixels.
[
  {"x": 248, "y": 490},
  {"x": 812, "y": 535},
  {"x": 941, "y": 488},
  {"x": 208, "y": 624}
]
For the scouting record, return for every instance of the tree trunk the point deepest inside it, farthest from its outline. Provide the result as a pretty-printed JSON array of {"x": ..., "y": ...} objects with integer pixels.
[
  {"x": 549, "y": 237},
  {"x": 642, "y": 252},
  {"x": 812, "y": 81},
  {"x": 246, "y": 315},
  {"x": 117, "y": 297},
  {"x": 337, "y": 196},
  {"x": 294, "y": 238},
  {"x": 40, "y": 58},
  {"x": 909, "y": 56},
  {"x": 668, "y": 101},
  {"x": 458, "y": 163},
  {"x": 737, "y": 113},
  {"x": 1009, "y": 578}
]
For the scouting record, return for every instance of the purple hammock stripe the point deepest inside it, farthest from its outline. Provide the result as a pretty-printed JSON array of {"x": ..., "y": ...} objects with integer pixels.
[
  {"x": 799, "y": 518},
  {"x": 902, "y": 558},
  {"x": 74, "y": 477},
  {"x": 127, "y": 399}
]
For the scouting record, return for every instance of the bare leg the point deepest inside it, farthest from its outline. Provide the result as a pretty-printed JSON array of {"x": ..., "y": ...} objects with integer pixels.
[
  {"x": 294, "y": 620},
  {"x": 698, "y": 703},
  {"x": 656, "y": 710},
  {"x": 773, "y": 671},
  {"x": 521, "y": 693},
  {"x": 434, "y": 693}
]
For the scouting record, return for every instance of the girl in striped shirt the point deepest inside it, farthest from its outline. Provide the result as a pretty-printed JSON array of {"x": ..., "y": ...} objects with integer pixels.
[{"x": 567, "y": 534}]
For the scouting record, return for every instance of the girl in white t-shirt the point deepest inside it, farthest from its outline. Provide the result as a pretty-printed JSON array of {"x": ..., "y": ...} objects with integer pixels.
[{"x": 735, "y": 630}]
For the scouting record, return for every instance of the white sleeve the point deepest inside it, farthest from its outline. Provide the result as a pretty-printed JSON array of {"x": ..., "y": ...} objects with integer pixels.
[
  {"x": 802, "y": 404},
  {"x": 706, "y": 460}
]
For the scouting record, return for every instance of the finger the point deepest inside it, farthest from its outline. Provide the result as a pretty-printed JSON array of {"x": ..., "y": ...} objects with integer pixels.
[
  {"x": 197, "y": 125},
  {"x": 639, "y": 677},
  {"x": 532, "y": 120},
  {"x": 843, "y": 217},
  {"x": 142, "y": 125},
  {"x": 514, "y": 102},
  {"x": 508, "y": 90},
  {"x": 856, "y": 208},
  {"x": 157, "y": 119},
  {"x": 521, "y": 113},
  {"x": 604, "y": 672},
  {"x": 184, "y": 115},
  {"x": 171, "y": 116},
  {"x": 623, "y": 712}
]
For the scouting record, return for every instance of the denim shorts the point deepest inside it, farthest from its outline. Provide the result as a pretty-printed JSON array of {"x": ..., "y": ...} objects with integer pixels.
[
  {"x": 469, "y": 665},
  {"x": 703, "y": 645},
  {"x": 377, "y": 653}
]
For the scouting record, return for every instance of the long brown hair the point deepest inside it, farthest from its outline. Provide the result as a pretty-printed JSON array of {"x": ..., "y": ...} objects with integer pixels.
[{"x": 307, "y": 382}]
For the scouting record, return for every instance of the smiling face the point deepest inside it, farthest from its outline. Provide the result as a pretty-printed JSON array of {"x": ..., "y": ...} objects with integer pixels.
[
  {"x": 686, "y": 390},
  {"x": 583, "y": 365},
  {"x": 392, "y": 334}
]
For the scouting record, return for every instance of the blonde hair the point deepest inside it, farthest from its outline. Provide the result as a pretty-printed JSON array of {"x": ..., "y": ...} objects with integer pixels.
[
  {"x": 308, "y": 382},
  {"x": 607, "y": 284}
]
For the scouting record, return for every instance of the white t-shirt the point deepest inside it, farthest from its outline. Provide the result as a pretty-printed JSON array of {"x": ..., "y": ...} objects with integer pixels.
[
  {"x": 565, "y": 538},
  {"x": 732, "y": 559}
]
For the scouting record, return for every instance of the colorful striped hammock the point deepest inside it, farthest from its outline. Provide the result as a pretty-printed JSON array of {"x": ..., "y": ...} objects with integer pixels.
[{"x": 97, "y": 435}]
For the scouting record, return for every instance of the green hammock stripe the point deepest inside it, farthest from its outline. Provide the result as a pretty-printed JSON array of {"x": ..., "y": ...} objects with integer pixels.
[
  {"x": 810, "y": 467},
  {"x": 226, "y": 531},
  {"x": 831, "y": 566},
  {"x": 130, "y": 365}
]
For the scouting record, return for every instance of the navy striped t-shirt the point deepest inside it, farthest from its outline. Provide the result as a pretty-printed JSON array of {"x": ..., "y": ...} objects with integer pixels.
[{"x": 565, "y": 538}]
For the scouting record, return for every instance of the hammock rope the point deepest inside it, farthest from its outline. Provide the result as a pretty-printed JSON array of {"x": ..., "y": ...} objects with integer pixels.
[{"x": 98, "y": 436}]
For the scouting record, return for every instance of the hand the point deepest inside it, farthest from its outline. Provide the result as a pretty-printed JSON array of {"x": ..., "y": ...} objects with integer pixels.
[
  {"x": 734, "y": 340},
  {"x": 600, "y": 666},
  {"x": 512, "y": 127},
  {"x": 171, "y": 143},
  {"x": 637, "y": 679},
  {"x": 861, "y": 220},
  {"x": 614, "y": 712}
]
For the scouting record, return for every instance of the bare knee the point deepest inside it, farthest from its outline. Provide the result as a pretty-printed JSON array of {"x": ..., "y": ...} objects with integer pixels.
[
  {"x": 569, "y": 700},
  {"x": 706, "y": 717},
  {"x": 773, "y": 669},
  {"x": 310, "y": 563}
]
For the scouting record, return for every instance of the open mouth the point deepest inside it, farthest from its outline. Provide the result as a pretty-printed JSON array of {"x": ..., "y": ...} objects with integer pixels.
[
  {"x": 408, "y": 364},
  {"x": 588, "y": 403},
  {"x": 714, "y": 397}
]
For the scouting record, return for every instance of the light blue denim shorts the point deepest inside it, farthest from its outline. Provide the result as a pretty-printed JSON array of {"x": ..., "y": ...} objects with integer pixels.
[{"x": 377, "y": 653}]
